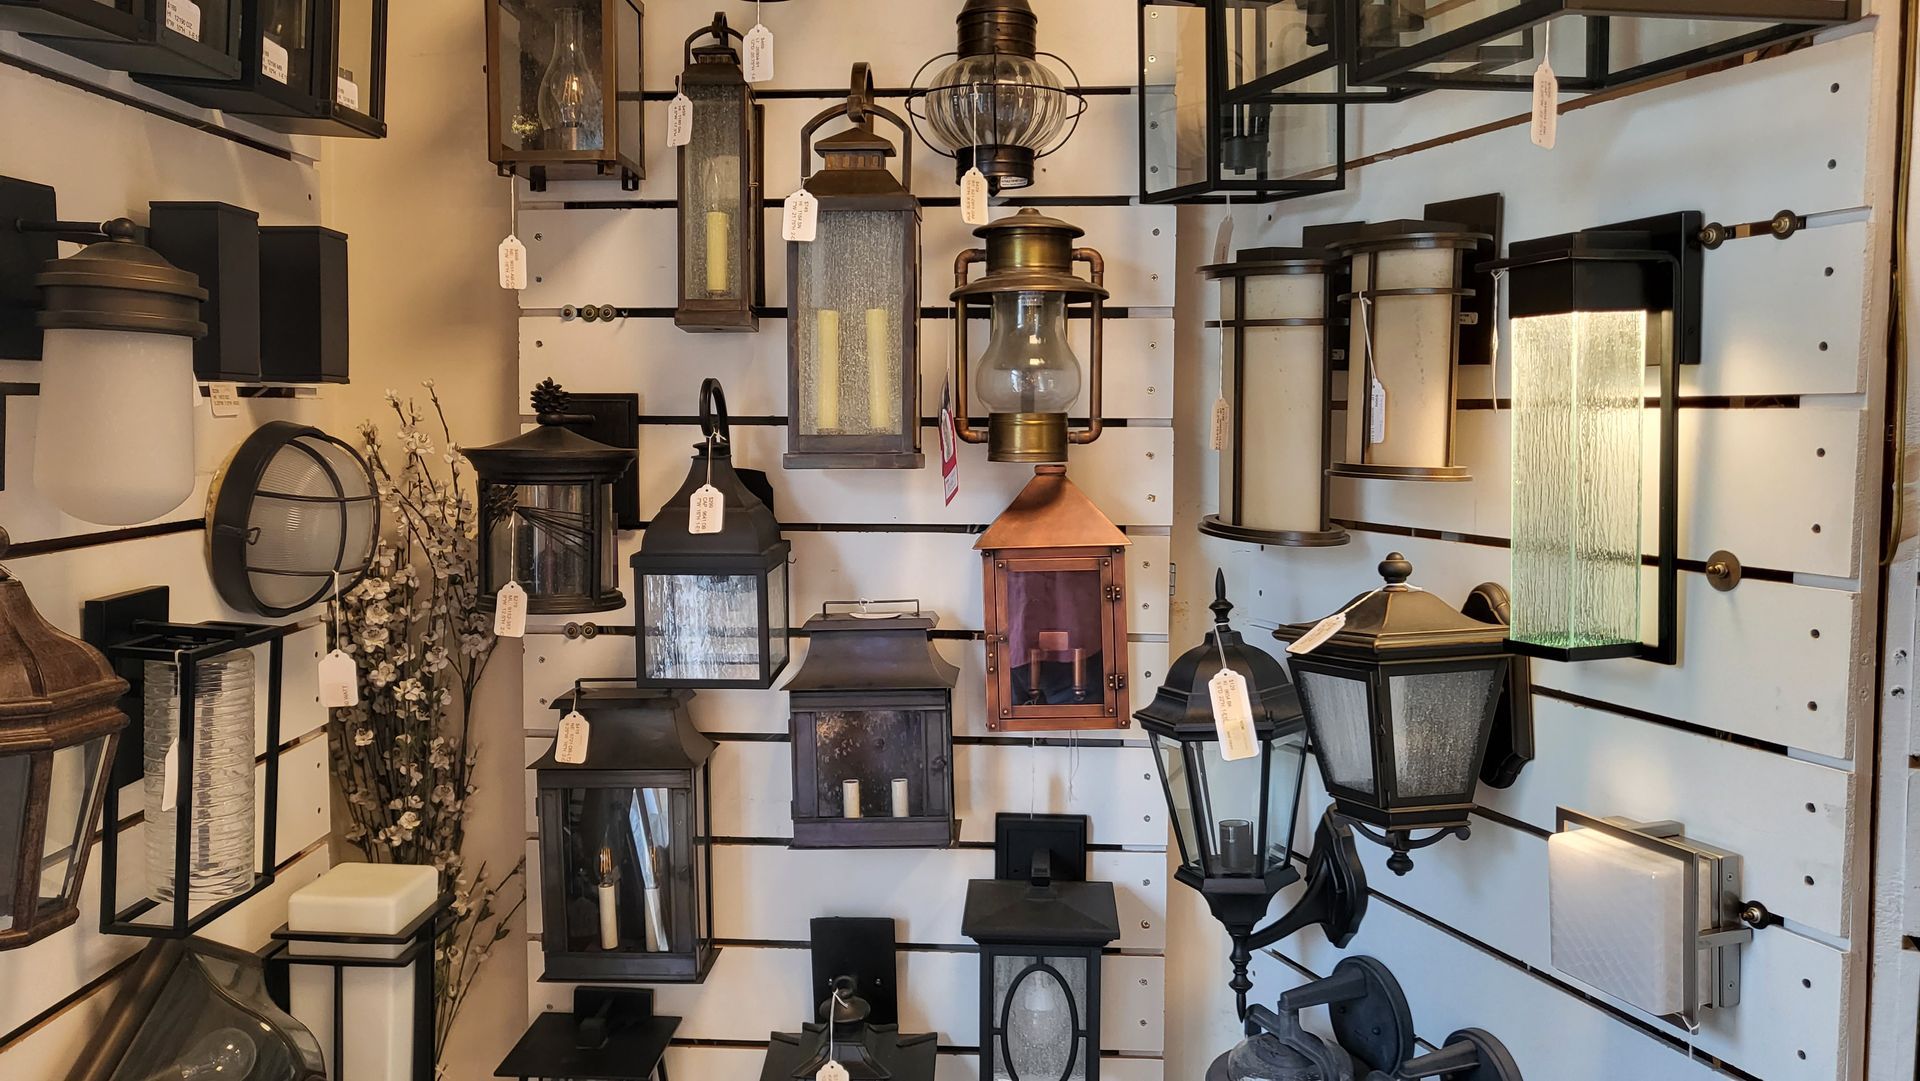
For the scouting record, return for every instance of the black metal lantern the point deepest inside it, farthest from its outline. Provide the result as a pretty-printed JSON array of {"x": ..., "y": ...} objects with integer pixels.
[
  {"x": 872, "y": 732},
  {"x": 546, "y": 513},
  {"x": 192, "y": 38},
  {"x": 611, "y": 1035},
  {"x": 310, "y": 67},
  {"x": 563, "y": 90},
  {"x": 853, "y": 300},
  {"x": 626, "y": 845},
  {"x": 291, "y": 517},
  {"x": 1368, "y": 1019},
  {"x": 713, "y": 605},
  {"x": 854, "y": 968},
  {"x": 1041, "y": 927},
  {"x": 721, "y": 264}
]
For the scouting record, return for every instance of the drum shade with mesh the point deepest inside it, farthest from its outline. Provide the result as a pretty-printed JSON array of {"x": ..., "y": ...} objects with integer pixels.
[{"x": 293, "y": 508}]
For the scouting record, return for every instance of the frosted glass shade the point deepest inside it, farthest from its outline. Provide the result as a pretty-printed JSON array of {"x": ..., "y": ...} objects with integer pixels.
[
  {"x": 115, "y": 442},
  {"x": 1411, "y": 353},
  {"x": 1618, "y": 919}
]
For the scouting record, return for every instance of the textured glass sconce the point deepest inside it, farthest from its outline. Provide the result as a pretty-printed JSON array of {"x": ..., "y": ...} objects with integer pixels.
[
  {"x": 563, "y": 90},
  {"x": 291, "y": 515},
  {"x": 720, "y": 180}
]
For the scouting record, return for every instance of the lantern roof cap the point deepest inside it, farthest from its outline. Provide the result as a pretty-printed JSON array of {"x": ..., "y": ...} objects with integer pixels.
[
  {"x": 1051, "y": 512},
  {"x": 1250, "y": 262},
  {"x": 1183, "y": 706},
  {"x": 747, "y": 524},
  {"x": 1028, "y": 220},
  {"x": 1014, "y": 911},
  {"x": 636, "y": 728},
  {"x": 1402, "y": 619},
  {"x": 551, "y": 451},
  {"x": 893, "y": 651},
  {"x": 45, "y": 673}
]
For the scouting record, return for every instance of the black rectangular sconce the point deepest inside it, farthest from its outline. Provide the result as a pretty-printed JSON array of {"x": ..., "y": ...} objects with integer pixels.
[
  {"x": 613, "y": 419},
  {"x": 194, "y": 39},
  {"x": 220, "y": 243},
  {"x": 303, "y": 304},
  {"x": 23, "y": 255},
  {"x": 612, "y": 1034}
]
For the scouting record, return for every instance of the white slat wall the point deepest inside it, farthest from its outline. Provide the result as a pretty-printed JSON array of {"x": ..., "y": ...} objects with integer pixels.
[
  {"x": 1761, "y": 739},
  {"x": 874, "y": 534}
]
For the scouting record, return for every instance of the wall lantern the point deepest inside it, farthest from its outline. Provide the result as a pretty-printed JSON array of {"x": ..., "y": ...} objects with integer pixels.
[
  {"x": 996, "y": 107},
  {"x": 1590, "y": 311},
  {"x": 872, "y": 731},
  {"x": 713, "y": 606},
  {"x": 1234, "y": 820},
  {"x": 721, "y": 262},
  {"x": 1400, "y": 704},
  {"x": 1276, "y": 374},
  {"x": 855, "y": 972},
  {"x": 611, "y": 1035},
  {"x": 563, "y": 90},
  {"x": 292, "y": 516},
  {"x": 1028, "y": 376},
  {"x": 1368, "y": 1019},
  {"x": 56, "y": 743},
  {"x": 1596, "y": 45},
  {"x": 162, "y": 37},
  {"x": 626, "y": 846},
  {"x": 1055, "y": 574},
  {"x": 1041, "y": 927},
  {"x": 853, "y": 297},
  {"x": 546, "y": 513}
]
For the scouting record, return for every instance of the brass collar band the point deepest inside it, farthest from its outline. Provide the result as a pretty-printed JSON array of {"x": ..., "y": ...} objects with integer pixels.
[
  {"x": 120, "y": 285},
  {"x": 1034, "y": 438}
]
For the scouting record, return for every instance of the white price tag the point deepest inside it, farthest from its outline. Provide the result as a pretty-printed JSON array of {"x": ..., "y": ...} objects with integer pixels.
[
  {"x": 1546, "y": 105},
  {"x": 973, "y": 197},
  {"x": 709, "y": 510},
  {"x": 833, "y": 1071},
  {"x": 801, "y": 219},
  {"x": 513, "y": 263},
  {"x": 347, "y": 93},
  {"x": 1318, "y": 636},
  {"x": 680, "y": 120},
  {"x": 571, "y": 748},
  {"x": 170, "y": 777},
  {"x": 758, "y": 61},
  {"x": 273, "y": 60},
  {"x": 225, "y": 398},
  {"x": 339, "y": 681},
  {"x": 183, "y": 18},
  {"x": 1232, "y": 715},
  {"x": 1222, "y": 416},
  {"x": 1377, "y": 413},
  {"x": 510, "y": 611}
]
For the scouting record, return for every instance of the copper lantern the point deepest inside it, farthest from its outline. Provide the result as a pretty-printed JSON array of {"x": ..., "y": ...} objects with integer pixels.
[
  {"x": 563, "y": 90},
  {"x": 720, "y": 167}
]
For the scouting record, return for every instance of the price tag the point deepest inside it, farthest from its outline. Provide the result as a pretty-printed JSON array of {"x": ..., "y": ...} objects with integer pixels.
[
  {"x": 1546, "y": 105},
  {"x": 973, "y": 197},
  {"x": 513, "y": 263},
  {"x": 1222, "y": 416},
  {"x": 170, "y": 777},
  {"x": 510, "y": 611},
  {"x": 709, "y": 510},
  {"x": 183, "y": 18},
  {"x": 801, "y": 219},
  {"x": 1232, "y": 715},
  {"x": 225, "y": 398},
  {"x": 680, "y": 120},
  {"x": 339, "y": 681},
  {"x": 1377, "y": 413},
  {"x": 273, "y": 60},
  {"x": 949, "y": 446},
  {"x": 347, "y": 93},
  {"x": 759, "y": 54},
  {"x": 832, "y": 1071},
  {"x": 1318, "y": 636},
  {"x": 571, "y": 748}
]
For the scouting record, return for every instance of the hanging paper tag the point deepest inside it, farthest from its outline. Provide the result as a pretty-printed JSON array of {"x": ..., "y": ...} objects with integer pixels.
[
  {"x": 832, "y": 1071},
  {"x": 347, "y": 93},
  {"x": 973, "y": 197},
  {"x": 339, "y": 681},
  {"x": 225, "y": 398},
  {"x": 680, "y": 120},
  {"x": 758, "y": 62},
  {"x": 1377, "y": 413},
  {"x": 273, "y": 60},
  {"x": 170, "y": 777},
  {"x": 571, "y": 748},
  {"x": 1318, "y": 636},
  {"x": 513, "y": 263},
  {"x": 801, "y": 219},
  {"x": 1222, "y": 415},
  {"x": 1232, "y": 715},
  {"x": 1546, "y": 105},
  {"x": 183, "y": 18},
  {"x": 709, "y": 510},
  {"x": 510, "y": 611},
  {"x": 949, "y": 445}
]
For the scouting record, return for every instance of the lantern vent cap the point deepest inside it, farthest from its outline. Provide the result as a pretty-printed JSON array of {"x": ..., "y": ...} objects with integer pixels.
[
  {"x": 1401, "y": 619},
  {"x": 1051, "y": 512},
  {"x": 1183, "y": 705}
]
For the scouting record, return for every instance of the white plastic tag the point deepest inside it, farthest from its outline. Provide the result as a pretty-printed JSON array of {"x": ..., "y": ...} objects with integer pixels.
[
  {"x": 680, "y": 120},
  {"x": 1318, "y": 636},
  {"x": 832, "y": 1071},
  {"x": 170, "y": 777},
  {"x": 801, "y": 219},
  {"x": 347, "y": 93},
  {"x": 758, "y": 62},
  {"x": 709, "y": 510},
  {"x": 183, "y": 18},
  {"x": 273, "y": 60},
  {"x": 1222, "y": 416},
  {"x": 973, "y": 197},
  {"x": 1232, "y": 715},
  {"x": 225, "y": 398},
  {"x": 510, "y": 611},
  {"x": 1377, "y": 413},
  {"x": 571, "y": 748},
  {"x": 513, "y": 263},
  {"x": 339, "y": 681},
  {"x": 1546, "y": 105}
]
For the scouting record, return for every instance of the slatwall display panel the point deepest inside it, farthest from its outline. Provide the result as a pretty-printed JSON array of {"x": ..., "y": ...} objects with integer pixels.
[{"x": 949, "y": 1065}]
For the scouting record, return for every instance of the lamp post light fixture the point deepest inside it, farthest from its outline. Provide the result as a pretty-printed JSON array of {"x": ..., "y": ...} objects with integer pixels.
[
  {"x": 720, "y": 181},
  {"x": 853, "y": 298},
  {"x": 563, "y": 90}
]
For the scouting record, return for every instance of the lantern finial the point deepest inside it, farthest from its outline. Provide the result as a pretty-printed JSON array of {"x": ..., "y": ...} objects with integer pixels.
[
  {"x": 1396, "y": 569},
  {"x": 550, "y": 399},
  {"x": 1222, "y": 607}
]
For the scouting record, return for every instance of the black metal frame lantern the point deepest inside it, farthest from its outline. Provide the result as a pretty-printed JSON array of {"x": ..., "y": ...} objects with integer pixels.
[
  {"x": 612, "y": 1034},
  {"x": 855, "y": 406},
  {"x": 192, "y": 38},
  {"x": 563, "y": 90},
  {"x": 712, "y": 608},
  {"x": 872, "y": 731},
  {"x": 722, "y": 266},
  {"x": 626, "y": 841},
  {"x": 290, "y": 494},
  {"x": 546, "y": 513}
]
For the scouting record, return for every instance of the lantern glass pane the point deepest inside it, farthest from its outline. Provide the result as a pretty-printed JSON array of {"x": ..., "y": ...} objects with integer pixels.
[
  {"x": 697, "y": 891},
  {"x": 1172, "y": 756},
  {"x": 852, "y": 291},
  {"x": 1632, "y": 43},
  {"x": 1439, "y": 720},
  {"x": 1046, "y": 996},
  {"x": 550, "y": 93},
  {"x": 1578, "y": 406},
  {"x": 220, "y": 816},
  {"x": 73, "y": 791},
  {"x": 710, "y": 211},
  {"x": 875, "y": 749},
  {"x": 1265, "y": 37},
  {"x": 777, "y": 628},
  {"x": 15, "y": 771},
  {"x": 287, "y": 25},
  {"x": 358, "y": 76},
  {"x": 1055, "y": 635},
  {"x": 1405, "y": 24},
  {"x": 1287, "y": 757},
  {"x": 623, "y": 850},
  {"x": 704, "y": 626},
  {"x": 1270, "y": 141},
  {"x": 603, "y": 525},
  {"x": 627, "y": 67},
  {"x": 541, "y": 535},
  {"x": 1411, "y": 353},
  {"x": 1338, "y": 708},
  {"x": 1174, "y": 86}
]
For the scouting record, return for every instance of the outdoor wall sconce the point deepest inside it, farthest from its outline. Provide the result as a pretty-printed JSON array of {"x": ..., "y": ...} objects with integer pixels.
[
  {"x": 1276, "y": 375},
  {"x": 308, "y": 67},
  {"x": 356, "y": 954},
  {"x": 303, "y": 304},
  {"x": 1234, "y": 819},
  {"x": 1590, "y": 311},
  {"x": 563, "y": 90},
  {"x": 292, "y": 515},
  {"x": 546, "y": 513},
  {"x": 872, "y": 731},
  {"x": 56, "y": 744},
  {"x": 163, "y": 37},
  {"x": 1400, "y": 701},
  {"x": 721, "y": 262},
  {"x": 854, "y": 966},
  {"x": 220, "y": 244},
  {"x": 198, "y": 1009},
  {"x": 713, "y": 605},
  {"x": 1041, "y": 926},
  {"x": 1470, "y": 1054},
  {"x": 996, "y": 107},
  {"x": 1368, "y": 1018},
  {"x": 1028, "y": 376},
  {"x": 611, "y": 1035},
  {"x": 626, "y": 845},
  {"x": 1056, "y": 614},
  {"x": 853, "y": 297},
  {"x": 1647, "y": 915}
]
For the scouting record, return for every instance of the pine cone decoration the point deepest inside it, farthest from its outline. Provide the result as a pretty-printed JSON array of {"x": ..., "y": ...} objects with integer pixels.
[{"x": 549, "y": 399}]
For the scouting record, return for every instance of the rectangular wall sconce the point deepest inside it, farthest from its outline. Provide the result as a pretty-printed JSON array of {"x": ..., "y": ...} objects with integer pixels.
[
  {"x": 563, "y": 90},
  {"x": 721, "y": 262},
  {"x": 303, "y": 305},
  {"x": 1646, "y": 915},
  {"x": 219, "y": 243},
  {"x": 194, "y": 39},
  {"x": 612, "y": 1034}
]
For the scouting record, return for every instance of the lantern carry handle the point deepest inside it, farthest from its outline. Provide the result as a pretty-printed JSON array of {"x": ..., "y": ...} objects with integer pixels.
[
  {"x": 1097, "y": 269},
  {"x": 719, "y": 31},
  {"x": 865, "y": 604},
  {"x": 713, "y": 411},
  {"x": 962, "y": 425},
  {"x": 860, "y": 109}
]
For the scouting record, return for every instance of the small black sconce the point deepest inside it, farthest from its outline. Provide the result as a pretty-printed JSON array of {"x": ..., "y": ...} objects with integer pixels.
[
  {"x": 220, "y": 244},
  {"x": 1368, "y": 1018},
  {"x": 854, "y": 966},
  {"x": 611, "y": 1035},
  {"x": 303, "y": 305},
  {"x": 274, "y": 550}
]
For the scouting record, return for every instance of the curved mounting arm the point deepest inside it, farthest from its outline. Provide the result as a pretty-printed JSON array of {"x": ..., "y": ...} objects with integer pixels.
[
  {"x": 962, "y": 427},
  {"x": 1097, "y": 266},
  {"x": 1336, "y": 899},
  {"x": 713, "y": 411},
  {"x": 1470, "y": 1054},
  {"x": 1402, "y": 842},
  {"x": 860, "y": 109}
]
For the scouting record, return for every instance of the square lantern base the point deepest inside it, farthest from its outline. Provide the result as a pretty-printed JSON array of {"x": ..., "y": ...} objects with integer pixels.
[
  {"x": 614, "y": 966},
  {"x": 936, "y": 832},
  {"x": 853, "y": 460}
]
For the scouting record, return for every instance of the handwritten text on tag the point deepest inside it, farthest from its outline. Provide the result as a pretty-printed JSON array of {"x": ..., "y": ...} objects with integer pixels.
[
  {"x": 510, "y": 611},
  {"x": 709, "y": 511},
  {"x": 1222, "y": 416},
  {"x": 680, "y": 121},
  {"x": 571, "y": 748},
  {"x": 801, "y": 219},
  {"x": 1318, "y": 636},
  {"x": 1232, "y": 715},
  {"x": 1546, "y": 105},
  {"x": 513, "y": 263},
  {"x": 758, "y": 63},
  {"x": 339, "y": 681},
  {"x": 973, "y": 197}
]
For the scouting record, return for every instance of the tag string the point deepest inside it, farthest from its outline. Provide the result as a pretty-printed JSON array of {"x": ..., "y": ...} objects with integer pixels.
[
  {"x": 336, "y": 608},
  {"x": 1493, "y": 359},
  {"x": 513, "y": 215},
  {"x": 710, "y": 436},
  {"x": 837, "y": 1001},
  {"x": 1546, "y": 44}
]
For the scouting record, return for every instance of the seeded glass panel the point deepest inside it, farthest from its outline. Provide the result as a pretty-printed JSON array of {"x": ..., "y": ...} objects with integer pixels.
[
  {"x": 358, "y": 77},
  {"x": 1578, "y": 405},
  {"x": 852, "y": 293},
  {"x": 14, "y": 771},
  {"x": 1337, "y": 709},
  {"x": 703, "y": 626},
  {"x": 627, "y": 101},
  {"x": 288, "y": 25},
  {"x": 710, "y": 211},
  {"x": 541, "y": 537},
  {"x": 1045, "y": 1027},
  {"x": 623, "y": 838},
  {"x": 874, "y": 747},
  {"x": 1173, "y": 770},
  {"x": 777, "y": 616},
  {"x": 1437, "y": 722},
  {"x": 1175, "y": 86},
  {"x": 1054, "y": 637},
  {"x": 1410, "y": 353},
  {"x": 74, "y": 790},
  {"x": 1287, "y": 757}
]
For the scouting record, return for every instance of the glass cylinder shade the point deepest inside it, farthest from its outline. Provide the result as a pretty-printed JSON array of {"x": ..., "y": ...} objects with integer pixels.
[
  {"x": 115, "y": 431},
  {"x": 719, "y": 185},
  {"x": 1028, "y": 366},
  {"x": 291, "y": 516},
  {"x": 564, "y": 80},
  {"x": 220, "y": 819}
]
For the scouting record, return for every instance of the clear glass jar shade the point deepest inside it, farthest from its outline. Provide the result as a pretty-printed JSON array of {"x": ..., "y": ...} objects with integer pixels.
[
  {"x": 551, "y": 95},
  {"x": 1339, "y": 715},
  {"x": 1439, "y": 720},
  {"x": 1029, "y": 365},
  {"x": 625, "y": 852},
  {"x": 1045, "y": 1021},
  {"x": 220, "y": 814},
  {"x": 1408, "y": 344},
  {"x": 852, "y": 309},
  {"x": 704, "y": 626},
  {"x": 312, "y": 514},
  {"x": 996, "y": 99},
  {"x": 115, "y": 426},
  {"x": 544, "y": 537},
  {"x": 711, "y": 219}
]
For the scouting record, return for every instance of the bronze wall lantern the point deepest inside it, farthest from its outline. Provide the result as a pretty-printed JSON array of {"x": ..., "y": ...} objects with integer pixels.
[
  {"x": 563, "y": 90},
  {"x": 720, "y": 181}
]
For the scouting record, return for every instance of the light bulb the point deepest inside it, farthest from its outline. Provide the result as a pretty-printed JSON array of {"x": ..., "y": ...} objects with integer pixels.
[
  {"x": 226, "y": 1054},
  {"x": 1028, "y": 366},
  {"x": 570, "y": 100}
]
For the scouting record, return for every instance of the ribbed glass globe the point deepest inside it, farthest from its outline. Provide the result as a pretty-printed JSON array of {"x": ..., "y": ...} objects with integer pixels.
[{"x": 997, "y": 99}]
